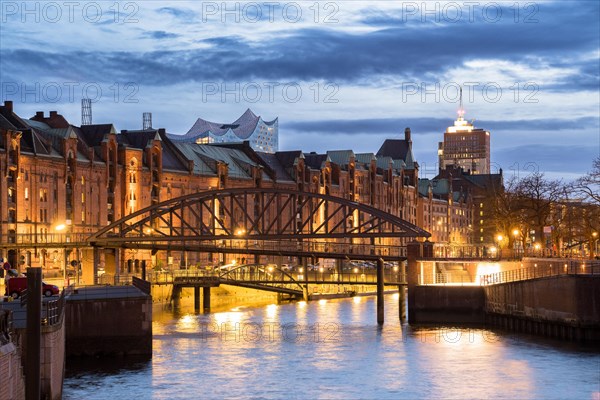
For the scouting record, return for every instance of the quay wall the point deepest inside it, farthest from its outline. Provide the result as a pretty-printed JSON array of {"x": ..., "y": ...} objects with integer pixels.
[
  {"x": 111, "y": 324},
  {"x": 564, "y": 307}
]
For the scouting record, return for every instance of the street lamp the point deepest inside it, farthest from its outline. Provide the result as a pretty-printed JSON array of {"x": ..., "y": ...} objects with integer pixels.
[
  {"x": 537, "y": 248},
  {"x": 515, "y": 233},
  {"x": 595, "y": 236}
]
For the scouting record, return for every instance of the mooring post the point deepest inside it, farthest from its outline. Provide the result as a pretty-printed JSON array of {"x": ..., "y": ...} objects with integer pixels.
[
  {"x": 34, "y": 334},
  {"x": 380, "y": 291},
  {"x": 401, "y": 303},
  {"x": 206, "y": 298},
  {"x": 196, "y": 298}
]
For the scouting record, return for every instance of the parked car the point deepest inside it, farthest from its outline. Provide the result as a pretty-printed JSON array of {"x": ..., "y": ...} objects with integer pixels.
[{"x": 14, "y": 287}]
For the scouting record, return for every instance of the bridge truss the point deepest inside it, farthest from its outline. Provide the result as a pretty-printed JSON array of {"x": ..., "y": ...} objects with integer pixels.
[{"x": 263, "y": 221}]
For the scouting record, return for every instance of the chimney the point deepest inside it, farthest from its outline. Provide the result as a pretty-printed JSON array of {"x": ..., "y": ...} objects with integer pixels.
[
  {"x": 407, "y": 134},
  {"x": 9, "y": 105},
  {"x": 39, "y": 114},
  {"x": 53, "y": 114}
]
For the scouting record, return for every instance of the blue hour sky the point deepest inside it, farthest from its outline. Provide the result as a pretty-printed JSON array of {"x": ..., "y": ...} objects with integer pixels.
[{"x": 338, "y": 74}]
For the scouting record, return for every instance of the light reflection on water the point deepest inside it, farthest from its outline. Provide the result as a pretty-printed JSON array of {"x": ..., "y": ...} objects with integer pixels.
[{"x": 333, "y": 349}]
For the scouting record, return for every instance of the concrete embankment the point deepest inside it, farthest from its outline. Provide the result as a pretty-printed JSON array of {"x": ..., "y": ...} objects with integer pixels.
[
  {"x": 448, "y": 304},
  {"x": 564, "y": 307}
]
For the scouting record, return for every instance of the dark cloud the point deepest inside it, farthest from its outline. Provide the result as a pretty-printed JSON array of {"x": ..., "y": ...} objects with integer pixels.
[
  {"x": 160, "y": 35},
  {"x": 416, "y": 54},
  {"x": 426, "y": 125}
]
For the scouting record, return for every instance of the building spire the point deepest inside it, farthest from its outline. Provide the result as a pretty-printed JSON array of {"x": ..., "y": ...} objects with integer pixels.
[{"x": 461, "y": 110}]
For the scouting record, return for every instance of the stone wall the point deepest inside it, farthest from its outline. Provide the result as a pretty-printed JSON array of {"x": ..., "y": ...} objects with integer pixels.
[{"x": 12, "y": 382}]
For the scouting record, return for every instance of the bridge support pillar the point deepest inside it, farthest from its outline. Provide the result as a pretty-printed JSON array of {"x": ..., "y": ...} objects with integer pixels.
[
  {"x": 380, "y": 291},
  {"x": 176, "y": 296},
  {"x": 206, "y": 299},
  {"x": 401, "y": 303},
  {"x": 196, "y": 298},
  {"x": 305, "y": 292}
]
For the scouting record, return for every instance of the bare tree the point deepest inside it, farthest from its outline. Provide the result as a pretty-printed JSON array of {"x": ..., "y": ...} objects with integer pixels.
[
  {"x": 536, "y": 197},
  {"x": 589, "y": 184}
]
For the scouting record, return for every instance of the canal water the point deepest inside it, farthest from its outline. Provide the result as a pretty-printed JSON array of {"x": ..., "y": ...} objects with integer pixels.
[{"x": 334, "y": 349}]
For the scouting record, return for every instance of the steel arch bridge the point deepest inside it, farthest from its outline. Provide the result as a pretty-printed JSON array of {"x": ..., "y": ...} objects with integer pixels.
[{"x": 264, "y": 221}]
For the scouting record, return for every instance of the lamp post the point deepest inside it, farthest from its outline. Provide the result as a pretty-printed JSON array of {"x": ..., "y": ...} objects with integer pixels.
[
  {"x": 59, "y": 228},
  {"x": 515, "y": 233},
  {"x": 595, "y": 244},
  {"x": 537, "y": 248}
]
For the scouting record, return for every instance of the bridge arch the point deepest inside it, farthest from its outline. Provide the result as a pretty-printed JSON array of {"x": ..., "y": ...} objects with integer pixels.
[{"x": 259, "y": 221}]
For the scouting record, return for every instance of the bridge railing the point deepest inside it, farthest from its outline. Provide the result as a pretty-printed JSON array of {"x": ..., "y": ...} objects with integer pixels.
[
  {"x": 264, "y": 275},
  {"x": 541, "y": 271},
  {"x": 46, "y": 239}
]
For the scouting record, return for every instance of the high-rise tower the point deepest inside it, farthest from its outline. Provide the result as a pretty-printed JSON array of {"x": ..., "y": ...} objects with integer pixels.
[{"x": 465, "y": 146}]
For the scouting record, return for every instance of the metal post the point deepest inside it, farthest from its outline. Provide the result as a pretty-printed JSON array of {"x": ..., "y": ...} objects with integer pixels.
[
  {"x": 401, "y": 303},
  {"x": 380, "y": 291},
  {"x": 143, "y": 269},
  {"x": 34, "y": 334}
]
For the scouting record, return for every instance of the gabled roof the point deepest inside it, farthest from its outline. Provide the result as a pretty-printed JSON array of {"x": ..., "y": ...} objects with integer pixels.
[
  {"x": 398, "y": 149},
  {"x": 272, "y": 161},
  {"x": 314, "y": 160},
  {"x": 340, "y": 157},
  {"x": 94, "y": 134}
]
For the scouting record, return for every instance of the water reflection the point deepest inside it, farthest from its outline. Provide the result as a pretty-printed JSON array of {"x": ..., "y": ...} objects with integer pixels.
[{"x": 334, "y": 349}]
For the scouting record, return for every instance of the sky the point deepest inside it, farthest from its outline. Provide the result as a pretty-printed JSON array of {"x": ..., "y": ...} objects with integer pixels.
[{"x": 338, "y": 74}]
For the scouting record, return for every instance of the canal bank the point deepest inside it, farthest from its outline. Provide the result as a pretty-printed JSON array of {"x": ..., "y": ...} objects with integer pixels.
[{"x": 565, "y": 307}]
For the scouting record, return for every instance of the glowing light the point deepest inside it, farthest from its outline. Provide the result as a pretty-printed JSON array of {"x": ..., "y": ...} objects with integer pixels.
[
  {"x": 321, "y": 269},
  {"x": 60, "y": 227},
  {"x": 272, "y": 310},
  {"x": 233, "y": 262},
  {"x": 396, "y": 269},
  {"x": 486, "y": 269},
  {"x": 355, "y": 270},
  {"x": 270, "y": 269},
  {"x": 356, "y": 299},
  {"x": 322, "y": 302},
  {"x": 301, "y": 270},
  {"x": 537, "y": 246},
  {"x": 301, "y": 304},
  {"x": 516, "y": 232},
  {"x": 500, "y": 238}
]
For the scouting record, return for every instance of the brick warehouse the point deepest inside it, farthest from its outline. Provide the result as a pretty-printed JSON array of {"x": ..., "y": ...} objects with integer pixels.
[{"x": 64, "y": 182}]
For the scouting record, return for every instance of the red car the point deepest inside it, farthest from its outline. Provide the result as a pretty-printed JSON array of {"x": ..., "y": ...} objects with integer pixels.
[{"x": 14, "y": 287}]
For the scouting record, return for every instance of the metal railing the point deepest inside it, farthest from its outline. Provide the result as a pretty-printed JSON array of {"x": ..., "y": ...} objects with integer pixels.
[
  {"x": 542, "y": 271},
  {"x": 52, "y": 311},
  {"x": 327, "y": 276},
  {"x": 46, "y": 239}
]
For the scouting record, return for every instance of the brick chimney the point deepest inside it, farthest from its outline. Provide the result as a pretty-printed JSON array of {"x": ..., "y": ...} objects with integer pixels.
[
  {"x": 8, "y": 104},
  {"x": 407, "y": 134}
]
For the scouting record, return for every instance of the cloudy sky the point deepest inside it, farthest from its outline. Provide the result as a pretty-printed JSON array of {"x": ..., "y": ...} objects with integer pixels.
[{"x": 338, "y": 74}]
